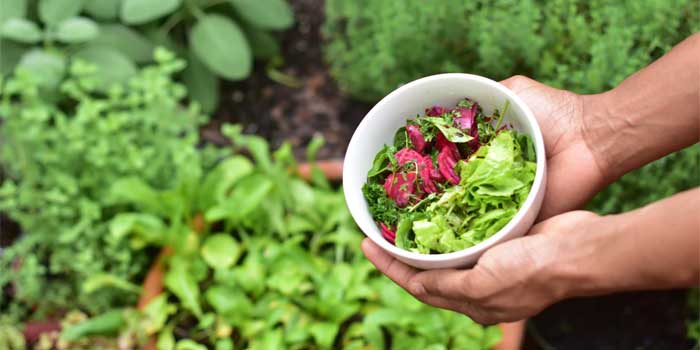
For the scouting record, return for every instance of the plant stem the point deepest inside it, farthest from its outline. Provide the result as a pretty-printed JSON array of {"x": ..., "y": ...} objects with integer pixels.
[
  {"x": 503, "y": 113},
  {"x": 213, "y": 3},
  {"x": 172, "y": 21},
  {"x": 196, "y": 11}
]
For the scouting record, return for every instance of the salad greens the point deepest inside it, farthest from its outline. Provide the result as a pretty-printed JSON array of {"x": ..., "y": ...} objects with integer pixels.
[{"x": 450, "y": 180}]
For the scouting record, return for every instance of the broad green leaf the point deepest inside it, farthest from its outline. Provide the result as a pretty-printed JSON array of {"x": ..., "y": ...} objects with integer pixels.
[
  {"x": 105, "y": 280},
  {"x": 324, "y": 333},
  {"x": 12, "y": 9},
  {"x": 49, "y": 67},
  {"x": 166, "y": 339},
  {"x": 76, "y": 30},
  {"x": 146, "y": 228},
  {"x": 53, "y": 12},
  {"x": 265, "y": 14},
  {"x": 125, "y": 40},
  {"x": 263, "y": 44},
  {"x": 10, "y": 55},
  {"x": 157, "y": 312},
  {"x": 228, "y": 301},
  {"x": 179, "y": 281},
  {"x": 270, "y": 340},
  {"x": 246, "y": 197},
  {"x": 103, "y": 9},
  {"x": 221, "y": 46},
  {"x": 112, "y": 66},
  {"x": 135, "y": 191},
  {"x": 142, "y": 11},
  {"x": 161, "y": 38},
  {"x": 21, "y": 30},
  {"x": 218, "y": 182},
  {"x": 220, "y": 251},
  {"x": 201, "y": 83},
  {"x": 188, "y": 344}
]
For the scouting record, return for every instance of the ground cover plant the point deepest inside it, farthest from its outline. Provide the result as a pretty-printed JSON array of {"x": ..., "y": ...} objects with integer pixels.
[
  {"x": 218, "y": 38},
  {"x": 57, "y": 164}
]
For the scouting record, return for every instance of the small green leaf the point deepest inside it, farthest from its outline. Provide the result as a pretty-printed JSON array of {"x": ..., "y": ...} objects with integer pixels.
[
  {"x": 125, "y": 40},
  {"x": 105, "y": 324},
  {"x": 224, "y": 344},
  {"x": 492, "y": 336},
  {"x": 103, "y": 9},
  {"x": 228, "y": 300},
  {"x": 245, "y": 198},
  {"x": 166, "y": 339},
  {"x": 142, "y": 11},
  {"x": 47, "y": 66},
  {"x": 76, "y": 30},
  {"x": 188, "y": 344},
  {"x": 221, "y": 46},
  {"x": 105, "y": 280},
  {"x": 11, "y": 54},
  {"x": 324, "y": 333},
  {"x": 157, "y": 312},
  {"x": 220, "y": 251},
  {"x": 265, "y": 14},
  {"x": 53, "y": 12},
  {"x": 201, "y": 83},
  {"x": 145, "y": 227},
  {"x": 21, "y": 30},
  {"x": 180, "y": 282},
  {"x": 112, "y": 66},
  {"x": 12, "y": 9},
  {"x": 451, "y": 133},
  {"x": 218, "y": 182}
]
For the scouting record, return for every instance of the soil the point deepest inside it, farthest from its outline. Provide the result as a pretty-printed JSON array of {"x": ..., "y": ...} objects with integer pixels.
[
  {"x": 640, "y": 321},
  {"x": 283, "y": 113}
]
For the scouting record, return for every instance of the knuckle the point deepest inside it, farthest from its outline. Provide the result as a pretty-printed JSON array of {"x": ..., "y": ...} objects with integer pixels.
[{"x": 417, "y": 289}]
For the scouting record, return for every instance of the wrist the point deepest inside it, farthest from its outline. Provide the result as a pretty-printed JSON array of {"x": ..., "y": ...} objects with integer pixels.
[
  {"x": 601, "y": 125},
  {"x": 579, "y": 259}
]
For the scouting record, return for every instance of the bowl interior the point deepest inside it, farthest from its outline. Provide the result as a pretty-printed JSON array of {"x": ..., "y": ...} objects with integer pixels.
[{"x": 380, "y": 124}]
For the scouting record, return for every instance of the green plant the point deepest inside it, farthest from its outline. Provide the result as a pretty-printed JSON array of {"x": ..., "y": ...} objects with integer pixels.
[
  {"x": 585, "y": 46},
  {"x": 57, "y": 164},
  {"x": 275, "y": 263},
  {"x": 218, "y": 37}
]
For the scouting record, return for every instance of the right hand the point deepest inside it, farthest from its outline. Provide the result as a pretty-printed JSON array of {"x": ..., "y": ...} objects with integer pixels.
[{"x": 574, "y": 171}]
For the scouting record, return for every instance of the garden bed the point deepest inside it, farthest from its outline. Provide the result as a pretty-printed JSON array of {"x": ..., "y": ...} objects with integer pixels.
[{"x": 648, "y": 320}]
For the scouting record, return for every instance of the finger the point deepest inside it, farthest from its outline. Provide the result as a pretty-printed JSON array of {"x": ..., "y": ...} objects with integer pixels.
[
  {"x": 388, "y": 265},
  {"x": 447, "y": 283}
]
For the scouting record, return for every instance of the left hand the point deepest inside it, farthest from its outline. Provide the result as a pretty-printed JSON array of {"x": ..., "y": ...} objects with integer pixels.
[{"x": 511, "y": 281}]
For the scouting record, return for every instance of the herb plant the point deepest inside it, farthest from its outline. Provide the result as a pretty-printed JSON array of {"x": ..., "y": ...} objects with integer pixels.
[
  {"x": 584, "y": 46},
  {"x": 57, "y": 164},
  {"x": 218, "y": 38}
]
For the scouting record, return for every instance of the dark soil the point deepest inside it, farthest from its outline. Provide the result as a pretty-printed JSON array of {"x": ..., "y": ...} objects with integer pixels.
[
  {"x": 635, "y": 321},
  {"x": 294, "y": 114},
  {"x": 639, "y": 321}
]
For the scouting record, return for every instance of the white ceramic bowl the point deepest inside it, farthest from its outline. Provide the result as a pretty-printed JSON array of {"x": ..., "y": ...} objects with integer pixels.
[{"x": 378, "y": 128}]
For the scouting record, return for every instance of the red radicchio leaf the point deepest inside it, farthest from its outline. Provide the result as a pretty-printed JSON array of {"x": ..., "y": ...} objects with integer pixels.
[
  {"x": 446, "y": 164},
  {"x": 442, "y": 142},
  {"x": 464, "y": 117},
  {"x": 435, "y": 111},
  {"x": 400, "y": 187},
  {"x": 388, "y": 233},
  {"x": 407, "y": 155},
  {"x": 416, "y": 137},
  {"x": 426, "y": 174}
]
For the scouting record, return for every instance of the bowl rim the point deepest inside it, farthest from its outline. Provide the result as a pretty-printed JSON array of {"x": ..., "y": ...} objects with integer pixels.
[{"x": 537, "y": 184}]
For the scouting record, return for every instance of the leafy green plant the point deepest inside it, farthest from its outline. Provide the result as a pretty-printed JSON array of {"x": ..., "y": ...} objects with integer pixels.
[
  {"x": 57, "y": 164},
  {"x": 275, "y": 264},
  {"x": 219, "y": 38},
  {"x": 585, "y": 46}
]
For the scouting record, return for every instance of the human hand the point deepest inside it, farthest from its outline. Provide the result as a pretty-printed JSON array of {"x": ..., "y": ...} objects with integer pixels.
[
  {"x": 511, "y": 281},
  {"x": 574, "y": 172}
]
